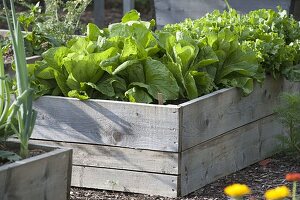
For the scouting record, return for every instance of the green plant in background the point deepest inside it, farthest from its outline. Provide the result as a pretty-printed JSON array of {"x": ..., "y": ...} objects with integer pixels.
[
  {"x": 273, "y": 36},
  {"x": 4, "y": 99},
  {"x": 21, "y": 109},
  {"x": 61, "y": 19},
  {"x": 289, "y": 114},
  {"x": 58, "y": 23}
]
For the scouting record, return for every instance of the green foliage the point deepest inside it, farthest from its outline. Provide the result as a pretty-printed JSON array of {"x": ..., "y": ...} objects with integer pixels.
[
  {"x": 289, "y": 114},
  {"x": 128, "y": 61},
  {"x": 61, "y": 19},
  {"x": 114, "y": 63},
  {"x": 273, "y": 36},
  {"x": 4, "y": 101},
  {"x": 9, "y": 156},
  {"x": 55, "y": 26},
  {"x": 21, "y": 109},
  {"x": 215, "y": 61}
]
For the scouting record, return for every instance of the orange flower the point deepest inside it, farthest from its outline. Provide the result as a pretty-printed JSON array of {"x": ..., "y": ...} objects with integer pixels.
[{"x": 293, "y": 177}]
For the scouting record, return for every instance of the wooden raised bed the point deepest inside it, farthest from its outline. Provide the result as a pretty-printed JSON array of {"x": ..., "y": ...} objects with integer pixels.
[
  {"x": 45, "y": 176},
  {"x": 167, "y": 150}
]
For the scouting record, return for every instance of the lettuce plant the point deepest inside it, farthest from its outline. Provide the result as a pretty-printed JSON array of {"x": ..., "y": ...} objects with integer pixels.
[
  {"x": 273, "y": 36},
  {"x": 115, "y": 63}
]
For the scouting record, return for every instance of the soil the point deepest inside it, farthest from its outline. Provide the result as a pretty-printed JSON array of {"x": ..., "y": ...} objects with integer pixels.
[
  {"x": 260, "y": 177},
  {"x": 32, "y": 153}
]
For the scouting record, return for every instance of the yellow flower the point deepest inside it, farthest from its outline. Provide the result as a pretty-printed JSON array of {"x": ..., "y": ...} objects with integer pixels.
[
  {"x": 237, "y": 190},
  {"x": 277, "y": 193}
]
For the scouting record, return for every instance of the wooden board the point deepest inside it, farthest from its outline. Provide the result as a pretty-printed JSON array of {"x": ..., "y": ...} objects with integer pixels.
[
  {"x": 126, "y": 181},
  {"x": 41, "y": 177},
  {"x": 120, "y": 158},
  {"x": 211, "y": 115},
  {"x": 228, "y": 153},
  {"x": 154, "y": 127},
  {"x": 174, "y": 11}
]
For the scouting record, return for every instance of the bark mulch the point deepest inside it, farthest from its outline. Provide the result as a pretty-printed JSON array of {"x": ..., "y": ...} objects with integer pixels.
[{"x": 259, "y": 177}]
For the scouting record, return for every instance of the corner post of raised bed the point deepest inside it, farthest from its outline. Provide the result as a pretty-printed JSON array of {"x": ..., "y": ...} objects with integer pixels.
[
  {"x": 70, "y": 172},
  {"x": 180, "y": 150}
]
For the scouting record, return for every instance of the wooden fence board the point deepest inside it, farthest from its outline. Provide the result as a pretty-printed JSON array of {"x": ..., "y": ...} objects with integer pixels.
[
  {"x": 126, "y": 181},
  {"x": 107, "y": 122}
]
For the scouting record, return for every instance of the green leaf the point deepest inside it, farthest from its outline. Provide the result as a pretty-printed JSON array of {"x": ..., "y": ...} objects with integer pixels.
[
  {"x": 83, "y": 46},
  {"x": 136, "y": 94},
  {"x": 82, "y": 95},
  {"x": 54, "y": 57},
  {"x": 190, "y": 86},
  {"x": 85, "y": 68},
  {"x": 160, "y": 80},
  {"x": 203, "y": 82},
  {"x": 132, "y": 15},
  {"x": 61, "y": 81},
  {"x": 132, "y": 50},
  {"x": 10, "y": 156},
  {"x": 110, "y": 86},
  {"x": 125, "y": 65},
  {"x": 93, "y": 32}
]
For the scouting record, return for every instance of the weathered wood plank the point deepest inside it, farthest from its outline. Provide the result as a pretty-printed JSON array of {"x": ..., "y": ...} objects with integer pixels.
[
  {"x": 120, "y": 158},
  {"x": 113, "y": 123},
  {"x": 38, "y": 178},
  {"x": 228, "y": 153},
  {"x": 99, "y": 12},
  {"x": 127, "y": 6},
  {"x": 126, "y": 181},
  {"x": 174, "y": 11},
  {"x": 211, "y": 115}
]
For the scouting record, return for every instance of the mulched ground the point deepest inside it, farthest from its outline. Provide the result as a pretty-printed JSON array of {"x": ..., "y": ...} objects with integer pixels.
[{"x": 259, "y": 177}]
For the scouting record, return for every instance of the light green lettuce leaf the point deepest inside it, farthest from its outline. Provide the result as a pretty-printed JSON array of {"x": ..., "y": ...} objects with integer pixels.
[
  {"x": 82, "y": 95},
  {"x": 132, "y": 15},
  {"x": 54, "y": 57},
  {"x": 136, "y": 94},
  {"x": 93, "y": 32}
]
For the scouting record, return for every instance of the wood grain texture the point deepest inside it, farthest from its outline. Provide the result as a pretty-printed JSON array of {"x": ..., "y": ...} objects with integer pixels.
[
  {"x": 120, "y": 158},
  {"x": 228, "y": 153},
  {"x": 107, "y": 122},
  {"x": 126, "y": 181},
  {"x": 211, "y": 115},
  {"x": 41, "y": 177}
]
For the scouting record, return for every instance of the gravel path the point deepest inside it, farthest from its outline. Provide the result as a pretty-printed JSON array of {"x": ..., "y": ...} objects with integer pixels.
[{"x": 259, "y": 177}]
